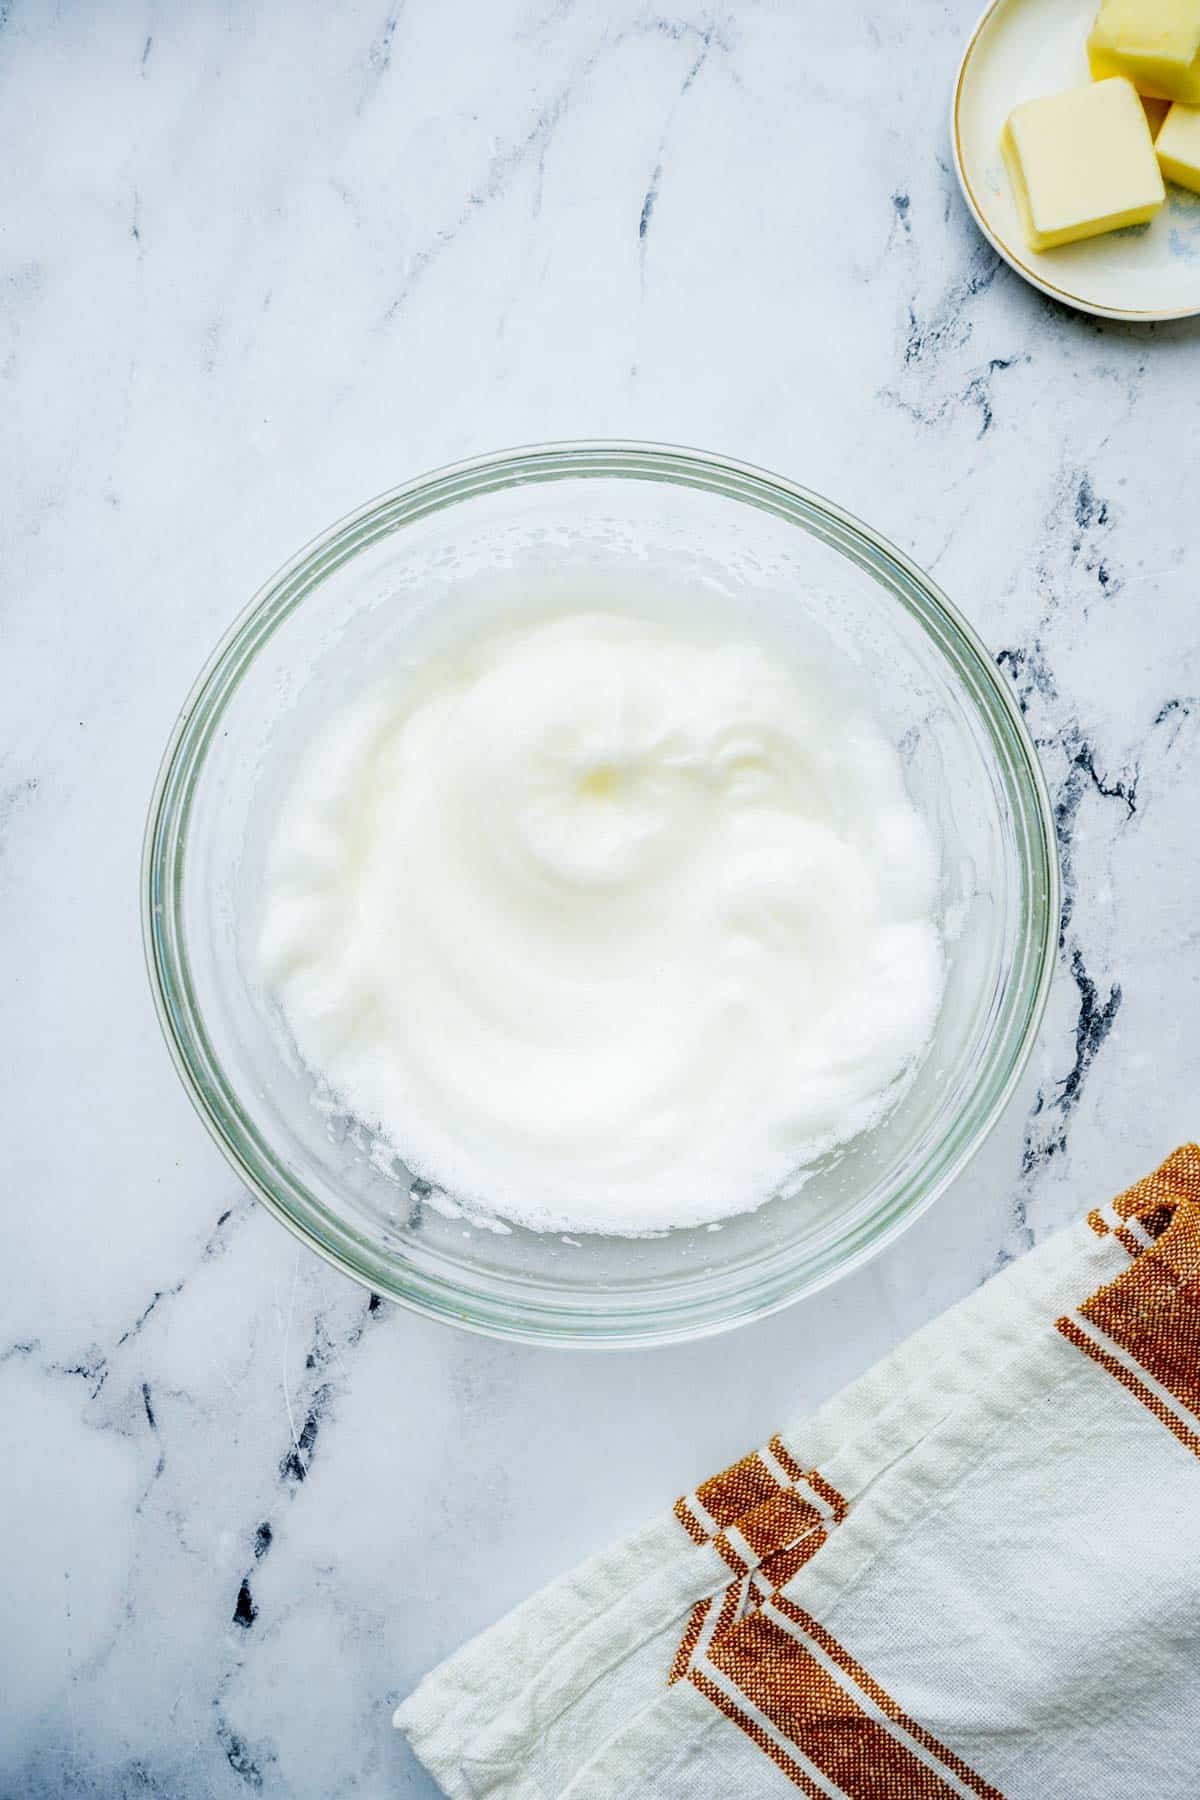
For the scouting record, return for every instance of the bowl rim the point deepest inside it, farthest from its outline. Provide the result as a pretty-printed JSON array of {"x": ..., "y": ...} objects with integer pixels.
[{"x": 521, "y": 1318}]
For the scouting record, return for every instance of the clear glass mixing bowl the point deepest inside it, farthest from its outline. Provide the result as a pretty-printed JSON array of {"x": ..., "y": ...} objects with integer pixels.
[{"x": 380, "y": 585}]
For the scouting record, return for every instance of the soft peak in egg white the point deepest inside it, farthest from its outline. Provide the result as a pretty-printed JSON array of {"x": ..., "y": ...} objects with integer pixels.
[{"x": 606, "y": 925}]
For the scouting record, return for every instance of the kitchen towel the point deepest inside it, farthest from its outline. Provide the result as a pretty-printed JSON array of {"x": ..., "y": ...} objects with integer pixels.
[{"x": 975, "y": 1572}]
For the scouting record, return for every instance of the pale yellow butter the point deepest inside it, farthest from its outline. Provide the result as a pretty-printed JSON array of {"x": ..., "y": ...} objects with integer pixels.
[
  {"x": 1082, "y": 163},
  {"x": 1153, "y": 43},
  {"x": 1178, "y": 146}
]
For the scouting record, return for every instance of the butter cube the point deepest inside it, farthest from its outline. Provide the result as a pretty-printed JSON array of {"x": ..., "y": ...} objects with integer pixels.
[
  {"x": 1082, "y": 163},
  {"x": 1153, "y": 43},
  {"x": 1178, "y": 146}
]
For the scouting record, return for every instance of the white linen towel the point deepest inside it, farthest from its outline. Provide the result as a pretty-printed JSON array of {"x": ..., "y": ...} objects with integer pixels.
[{"x": 975, "y": 1572}]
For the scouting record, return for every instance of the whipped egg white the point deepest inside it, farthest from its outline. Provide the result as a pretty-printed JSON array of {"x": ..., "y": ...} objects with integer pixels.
[{"x": 604, "y": 923}]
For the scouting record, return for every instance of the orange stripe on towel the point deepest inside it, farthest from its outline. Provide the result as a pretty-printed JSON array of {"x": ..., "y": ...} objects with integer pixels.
[{"x": 817, "y": 1713}]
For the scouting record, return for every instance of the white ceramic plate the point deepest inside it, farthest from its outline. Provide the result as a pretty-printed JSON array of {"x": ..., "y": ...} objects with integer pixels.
[{"x": 1019, "y": 50}]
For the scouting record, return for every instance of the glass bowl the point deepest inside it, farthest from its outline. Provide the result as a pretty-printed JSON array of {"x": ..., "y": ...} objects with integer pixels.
[{"x": 380, "y": 585}]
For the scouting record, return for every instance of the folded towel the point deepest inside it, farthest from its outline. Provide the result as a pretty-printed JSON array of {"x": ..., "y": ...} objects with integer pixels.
[{"x": 975, "y": 1572}]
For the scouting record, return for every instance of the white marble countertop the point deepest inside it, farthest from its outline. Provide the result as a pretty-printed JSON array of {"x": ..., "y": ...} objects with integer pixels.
[{"x": 260, "y": 262}]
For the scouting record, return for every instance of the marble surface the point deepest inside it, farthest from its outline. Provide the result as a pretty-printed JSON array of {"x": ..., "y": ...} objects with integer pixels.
[{"x": 258, "y": 263}]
